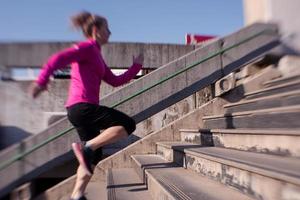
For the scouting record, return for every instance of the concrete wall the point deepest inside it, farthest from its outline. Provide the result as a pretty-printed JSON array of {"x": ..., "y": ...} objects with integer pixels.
[
  {"x": 283, "y": 12},
  {"x": 117, "y": 55},
  {"x": 17, "y": 109}
]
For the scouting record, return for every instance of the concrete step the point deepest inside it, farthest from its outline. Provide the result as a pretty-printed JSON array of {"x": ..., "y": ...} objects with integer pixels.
[
  {"x": 283, "y": 142},
  {"x": 173, "y": 151},
  {"x": 259, "y": 175},
  {"x": 282, "y": 80},
  {"x": 143, "y": 162},
  {"x": 293, "y": 85},
  {"x": 125, "y": 184},
  {"x": 278, "y": 100},
  {"x": 177, "y": 183},
  {"x": 283, "y": 117}
]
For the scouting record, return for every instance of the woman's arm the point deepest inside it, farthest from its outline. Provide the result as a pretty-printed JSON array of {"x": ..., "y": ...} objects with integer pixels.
[
  {"x": 119, "y": 80},
  {"x": 57, "y": 61}
]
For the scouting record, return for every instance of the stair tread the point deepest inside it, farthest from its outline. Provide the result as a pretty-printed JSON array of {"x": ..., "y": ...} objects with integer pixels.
[
  {"x": 273, "y": 87},
  {"x": 124, "y": 184},
  {"x": 96, "y": 189},
  {"x": 247, "y": 101},
  {"x": 274, "y": 131},
  {"x": 254, "y": 131},
  {"x": 178, "y": 144},
  {"x": 185, "y": 184},
  {"x": 287, "y": 109},
  {"x": 286, "y": 168},
  {"x": 151, "y": 160},
  {"x": 284, "y": 78},
  {"x": 189, "y": 130}
]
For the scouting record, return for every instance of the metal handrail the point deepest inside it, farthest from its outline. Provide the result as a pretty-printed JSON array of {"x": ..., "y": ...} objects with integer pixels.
[{"x": 50, "y": 139}]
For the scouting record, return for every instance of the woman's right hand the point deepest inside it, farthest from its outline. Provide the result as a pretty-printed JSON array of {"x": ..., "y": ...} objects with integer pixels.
[{"x": 35, "y": 89}]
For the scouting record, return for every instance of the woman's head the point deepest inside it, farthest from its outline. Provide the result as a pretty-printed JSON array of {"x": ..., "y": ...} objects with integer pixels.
[{"x": 92, "y": 26}]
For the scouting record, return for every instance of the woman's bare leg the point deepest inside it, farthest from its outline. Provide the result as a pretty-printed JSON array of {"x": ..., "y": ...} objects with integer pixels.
[
  {"x": 108, "y": 136},
  {"x": 82, "y": 180}
]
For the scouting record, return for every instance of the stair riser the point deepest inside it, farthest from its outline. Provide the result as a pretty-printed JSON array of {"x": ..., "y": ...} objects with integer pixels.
[
  {"x": 124, "y": 184},
  {"x": 283, "y": 145},
  {"x": 140, "y": 172},
  {"x": 274, "y": 91},
  {"x": 203, "y": 139},
  {"x": 250, "y": 183},
  {"x": 264, "y": 104},
  {"x": 170, "y": 154},
  {"x": 111, "y": 193},
  {"x": 156, "y": 189},
  {"x": 268, "y": 120},
  {"x": 270, "y": 144},
  {"x": 283, "y": 81},
  {"x": 165, "y": 152}
]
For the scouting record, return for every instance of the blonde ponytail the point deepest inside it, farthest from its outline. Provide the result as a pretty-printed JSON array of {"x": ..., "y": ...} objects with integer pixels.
[{"x": 86, "y": 21}]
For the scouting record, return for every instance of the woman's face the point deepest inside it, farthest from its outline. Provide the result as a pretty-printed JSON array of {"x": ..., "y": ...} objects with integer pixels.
[{"x": 102, "y": 34}]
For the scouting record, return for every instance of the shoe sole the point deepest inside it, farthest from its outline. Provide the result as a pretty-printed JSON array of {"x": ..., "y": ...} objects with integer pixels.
[{"x": 78, "y": 153}]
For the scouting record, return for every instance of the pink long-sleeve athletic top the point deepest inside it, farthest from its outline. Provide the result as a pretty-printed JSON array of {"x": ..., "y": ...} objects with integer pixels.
[{"x": 87, "y": 70}]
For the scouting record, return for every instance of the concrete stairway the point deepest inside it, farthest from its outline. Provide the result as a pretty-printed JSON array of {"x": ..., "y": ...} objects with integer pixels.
[
  {"x": 158, "y": 178},
  {"x": 218, "y": 58},
  {"x": 251, "y": 151}
]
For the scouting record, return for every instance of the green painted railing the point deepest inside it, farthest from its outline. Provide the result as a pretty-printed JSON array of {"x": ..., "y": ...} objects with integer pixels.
[{"x": 212, "y": 55}]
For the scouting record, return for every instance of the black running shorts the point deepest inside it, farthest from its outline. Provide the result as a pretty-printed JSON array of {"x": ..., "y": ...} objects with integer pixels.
[{"x": 89, "y": 119}]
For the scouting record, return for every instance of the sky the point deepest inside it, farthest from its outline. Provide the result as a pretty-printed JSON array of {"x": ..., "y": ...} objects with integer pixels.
[{"x": 147, "y": 21}]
